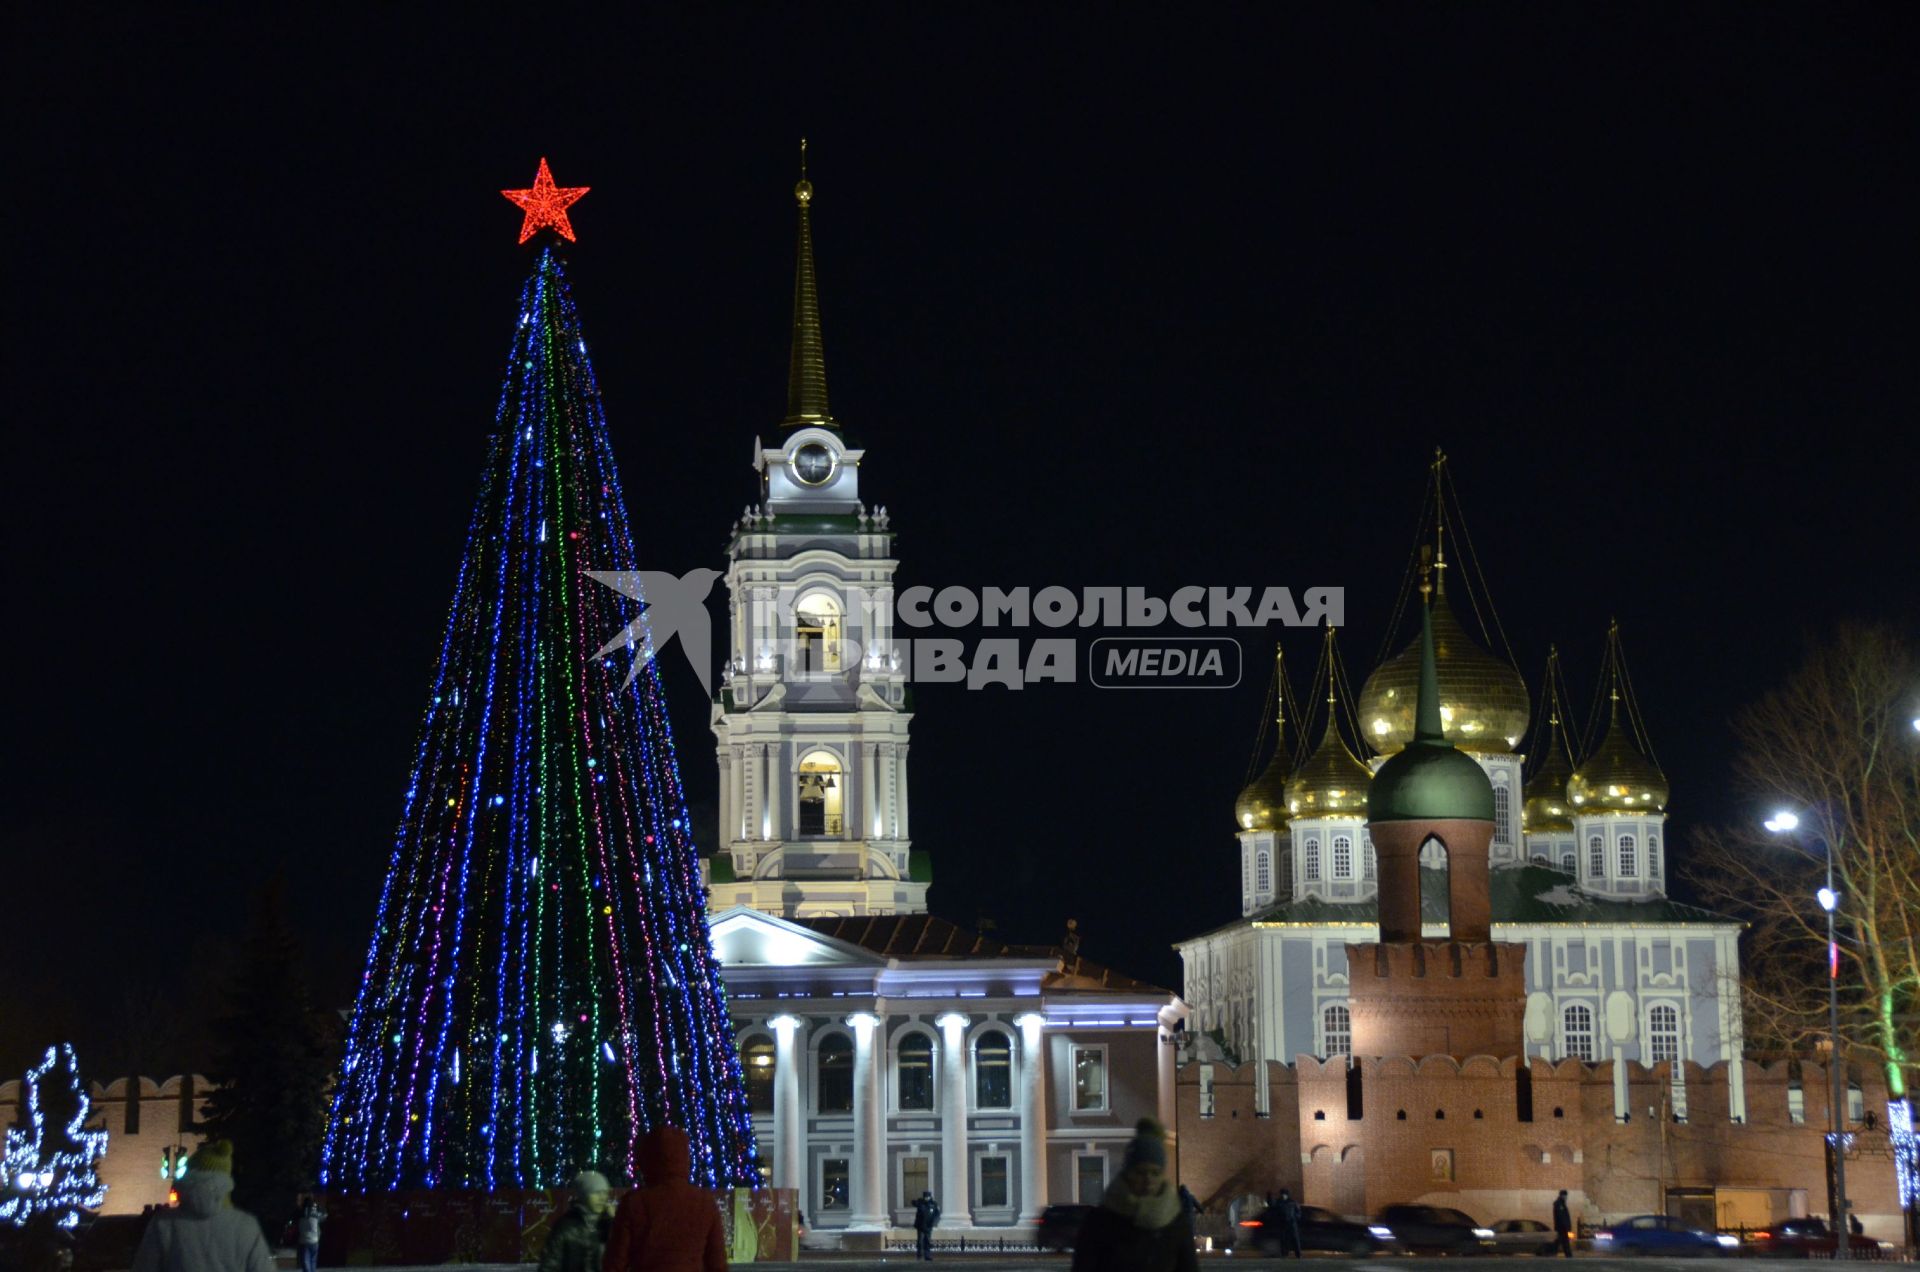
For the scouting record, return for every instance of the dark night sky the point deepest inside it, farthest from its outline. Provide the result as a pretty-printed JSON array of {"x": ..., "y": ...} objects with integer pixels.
[{"x": 1111, "y": 300}]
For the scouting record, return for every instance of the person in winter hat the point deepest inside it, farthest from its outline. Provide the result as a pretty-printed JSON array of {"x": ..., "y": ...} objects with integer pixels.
[
  {"x": 926, "y": 1215},
  {"x": 666, "y": 1225},
  {"x": 1140, "y": 1225},
  {"x": 578, "y": 1242},
  {"x": 204, "y": 1233}
]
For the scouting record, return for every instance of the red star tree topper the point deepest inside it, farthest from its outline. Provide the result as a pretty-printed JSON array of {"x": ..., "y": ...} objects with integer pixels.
[{"x": 546, "y": 205}]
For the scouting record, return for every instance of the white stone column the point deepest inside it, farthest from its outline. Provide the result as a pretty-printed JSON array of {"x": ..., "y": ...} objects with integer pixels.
[
  {"x": 1169, "y": 1016},
  {"x": 737, "y": 786},
  {"x": 870, "y": 824},
  {"x": 889, "y": 799},
  {"x": 729, "y": 805},
  {"x": 956, "y": 1175},
  {"x": 777, "y": 777},
  {"x": 901, "y": 831},
  {"x": 789, "y": 1112},
  {"x": 756, "y": 820},
  {"x": 1033, "y": 1115},
  {"x": 869, "y": 1182}
]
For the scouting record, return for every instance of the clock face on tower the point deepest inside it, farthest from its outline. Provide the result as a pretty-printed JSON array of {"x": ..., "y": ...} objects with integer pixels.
[{"x": 813, "y": 464}]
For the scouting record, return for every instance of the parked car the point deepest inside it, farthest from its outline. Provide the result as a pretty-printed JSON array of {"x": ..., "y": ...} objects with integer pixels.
[
  {"x": 1807, "y": 1239},
  {"x": 1661, "y": 1234},
  {"x": 1433, "y": 1230},
  {"x": 1060, "y": 1227},
  {"x": 1522, "y": 1236},
  {"x": 1320, "y": 1229}
]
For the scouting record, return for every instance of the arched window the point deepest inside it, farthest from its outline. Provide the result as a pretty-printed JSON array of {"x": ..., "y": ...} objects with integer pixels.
[
  {"x": 756, "y": 1062},
  {"x": 1502, "y": 806},
  {"x": 816, "y": 635},
  {"x": 1313, "y": 860},
  {"x": 1577, "y": 1022},
  {"x": 1246, "y": 872},
  {"x": 1796, "y": 1101},
  {"x": 1540, "y": 858},
  {"x": 1629, "y": 857},
  {"x": 1337, "y": 1025},
  {"x": 1663, "y": 1033},
  {"x": 993, "y": 1070},
  {"x": 1596, "y": 858},
  {"x": 1367, "y": 863},
  {"x": 913, "y": 1059},
  {"x": 835, "y": 1064},
  {"x": 1263, "y": 873},
  {"x": 1653, "y": 857},
  {"x": 1343, "y": 856},
  {"x": 1566, "y": 861},
  {"x": 822, "y": 791}
]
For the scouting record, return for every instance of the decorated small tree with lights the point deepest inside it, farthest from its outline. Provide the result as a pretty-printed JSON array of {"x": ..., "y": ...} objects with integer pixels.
[
  {"x": 541, "y": 988},
  {"x": 49, "y": 1170}
]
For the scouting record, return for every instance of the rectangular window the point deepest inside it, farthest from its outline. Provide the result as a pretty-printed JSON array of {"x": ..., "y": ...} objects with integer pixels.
[
  {"x": 1313, "y": 860},
  {"x": 1653, "y": 857},
  {"x": 916, "y": 1177},
  {"x": 1502, "y": 807},
  {"x": 1089, "y": 1079},
  {"x": 833, "y": 1183},
  {"x": 993, "y": 1183},
  {"x": 1090, "y": 1178},
  {"x": 1206, "y": 1090},
  {"x": 1342, "y": 857},
  {"x": 1796, "y": 1103}
]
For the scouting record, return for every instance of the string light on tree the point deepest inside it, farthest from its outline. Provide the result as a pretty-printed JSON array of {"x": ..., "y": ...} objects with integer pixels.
[
  {"x": 50, "y": 1166},
  {"x": 541, "y": 988}
]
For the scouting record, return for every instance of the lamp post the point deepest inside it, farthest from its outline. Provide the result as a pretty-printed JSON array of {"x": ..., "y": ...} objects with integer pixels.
[{"x": 1785, "y": 823}]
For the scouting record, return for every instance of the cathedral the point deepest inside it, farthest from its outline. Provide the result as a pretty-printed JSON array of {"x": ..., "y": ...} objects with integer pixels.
[{"x": 1615, "y": 968}]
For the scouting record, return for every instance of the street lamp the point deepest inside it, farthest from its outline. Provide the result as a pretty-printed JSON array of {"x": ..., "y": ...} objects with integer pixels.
[{"x": 1784, "y": 822}]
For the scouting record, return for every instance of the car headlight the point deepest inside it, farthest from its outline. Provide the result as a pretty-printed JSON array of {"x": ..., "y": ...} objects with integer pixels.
[
  {"x": 1485, "y": 1234},
  {"x": 1385, "y": 1234},
  {"x": 1603, "y": 1236},
  {"x": 1727, "y": 1240}
]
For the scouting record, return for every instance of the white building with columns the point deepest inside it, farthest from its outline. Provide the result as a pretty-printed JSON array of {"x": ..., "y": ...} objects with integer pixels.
[{"x": 886, "y": 1056}]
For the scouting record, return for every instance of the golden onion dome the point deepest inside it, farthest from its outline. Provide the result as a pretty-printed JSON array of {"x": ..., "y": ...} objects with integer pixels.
[
  {"x": 1545, "y": 808},
  {"x": 1483, "y": 700},
  {"x": 1331, "y": 782},
  {"x": 1617, "y": 778},
  {"x": 1262, "y": 804}
]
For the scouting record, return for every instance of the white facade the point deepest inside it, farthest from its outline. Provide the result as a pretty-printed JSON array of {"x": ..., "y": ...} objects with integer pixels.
[
  {"x": 811, "y": 723},
  {"x": 1003, "y": 1080}
]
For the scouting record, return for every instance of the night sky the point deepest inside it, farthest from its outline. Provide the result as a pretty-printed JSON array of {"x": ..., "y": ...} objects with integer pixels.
[{"x": 1111, "y": 300}]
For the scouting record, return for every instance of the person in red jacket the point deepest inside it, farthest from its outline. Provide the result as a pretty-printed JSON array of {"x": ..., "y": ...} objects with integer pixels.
[{"x": 666, "y": 1224}]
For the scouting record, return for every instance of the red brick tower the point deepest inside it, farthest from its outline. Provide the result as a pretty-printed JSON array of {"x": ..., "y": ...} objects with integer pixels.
[{"x": 1465, "y": 995}]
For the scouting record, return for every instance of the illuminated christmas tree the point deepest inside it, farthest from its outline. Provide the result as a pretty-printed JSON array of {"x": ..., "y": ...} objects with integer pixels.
[
  {"x": 49, "y": 1166},
  {"x": 541, "y": 988}
]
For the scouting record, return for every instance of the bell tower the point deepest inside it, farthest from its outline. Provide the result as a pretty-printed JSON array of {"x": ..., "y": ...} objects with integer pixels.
[
  {"x": 1465, "y": 995},
  {"x": 811, "y": 719}
]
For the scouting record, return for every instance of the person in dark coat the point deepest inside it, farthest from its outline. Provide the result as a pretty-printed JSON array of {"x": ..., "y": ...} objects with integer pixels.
[
  {"x": 1562, "y": 1225},
  {"x": 1287, "y": 1212},
  {"x": 578, "y": 1243},
  {"x": 1140, "y": 1225},
  {"x": 667, "y": 1225},
  {"x": 926, "y": 1213}
]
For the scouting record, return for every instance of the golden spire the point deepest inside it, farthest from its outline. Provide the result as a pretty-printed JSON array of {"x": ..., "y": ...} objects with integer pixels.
[
  {"x": 807, "y": 364},
  {"x": 1439, "y": 524}
]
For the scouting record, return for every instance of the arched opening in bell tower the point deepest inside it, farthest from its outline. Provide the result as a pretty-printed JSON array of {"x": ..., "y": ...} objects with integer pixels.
[
  {"x": 822, "y": 795},
  {"x": 1435, "y": 884},
  {"x": 817, "y": 634}
]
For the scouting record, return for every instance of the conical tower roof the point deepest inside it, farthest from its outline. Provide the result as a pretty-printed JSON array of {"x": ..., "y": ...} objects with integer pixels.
[
  {"x": 1546, "y": 809},
  {"x": 1621, "y": 775},
  {"x": 1429, "y": 779},
  {"x": 1332, "y": 781},
  {"x": 807, "y": 360},
  {"x": 1262, "y": 803}
]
